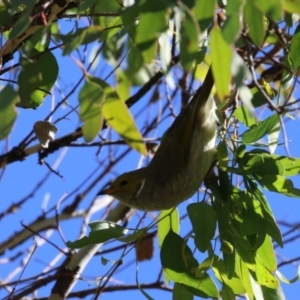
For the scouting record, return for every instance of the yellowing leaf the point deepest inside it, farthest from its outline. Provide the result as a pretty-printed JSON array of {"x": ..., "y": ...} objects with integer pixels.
[{"x": 118, "y": 116}]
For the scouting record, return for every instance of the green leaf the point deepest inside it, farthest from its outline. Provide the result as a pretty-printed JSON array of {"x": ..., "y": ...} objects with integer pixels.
[
  {"x": 242, "y": 272},
  {"x": 21, "y": 25},
  {"x": 180, "y": 265},
  {"x": 189, "y": 33},
  {"x": 148, "y": 31},
  {"x": 273, "y": 164},
  {"x": 272, "y": 227},
  {"x": 91, "y": 98},
  {"x": 204, "y": 12},
  {"x": 179, "y": 293},
  {"x": 227, "y": 293},
  {"x": 292, "y": 6},
  {"x": 203, "y": 219},
  {"x": 232, "y": 23},
  {"x": 168, "y": 220},
  {"x": 41, "y": 39},
  {"x": 221, "y": 62},
  {"x": 252, "y": 162},
  {"x": 272, "y": 294},
  {"x": 36, "y": 79},
  {"x": 294, "y": 56},
  {"x": 279, "y": 184},
  {"x": 9, "y": 97},
  {"x": 135, "y": 60},
  {"x": 264, "y": 276},
  {"x": 101, "y": 231},
  {"x": 271, "y": 8},
  {"x": 4, "y": 15},
  {"x": 234, "y": 283},
  {"x": 82, "y": 36},
  {"x": 246, "y": 252},
  {"x": 255, "y": 20},
  {"x": 266, "y": 254},
  {"x": 118, "y": 116},
  {"x": 261, "y": 129},
  {"x": 138, "y": 234},
  {"x": 123, "y": 85},
  {"x": 245, "y": 116}
]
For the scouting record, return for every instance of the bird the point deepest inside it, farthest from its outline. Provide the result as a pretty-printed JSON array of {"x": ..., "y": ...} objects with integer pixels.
[{"x": 179, "y": 166}]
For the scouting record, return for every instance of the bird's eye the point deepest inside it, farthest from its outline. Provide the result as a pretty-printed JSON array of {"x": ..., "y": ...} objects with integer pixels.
[{"x": 123, "y": 182}]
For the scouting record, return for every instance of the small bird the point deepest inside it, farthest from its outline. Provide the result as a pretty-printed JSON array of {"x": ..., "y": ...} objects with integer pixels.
[{"x": 185, "y": 155}]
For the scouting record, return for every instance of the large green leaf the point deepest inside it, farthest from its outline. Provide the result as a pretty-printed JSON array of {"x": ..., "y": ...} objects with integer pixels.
[
  {"x": 204, "y": 11},
  {"x": 8, "y": 99},
  {"x": 36, "y": 79},
  {"x": 203, "y": 219},
  {"x": 261, "y": 129},
  {"x": 242, "y": 272},
  {"x": 266, "y": 254},
  {"x": 232, "y": 24},
  {"x": 179, "y": 263},
  {"x": 255, "y": 20},
  {"x": 221, "y": 54},
  {"x": 189, "y": 33},
  {"x": 254, "y": 192},
  {"x": 148, "y": 31}
]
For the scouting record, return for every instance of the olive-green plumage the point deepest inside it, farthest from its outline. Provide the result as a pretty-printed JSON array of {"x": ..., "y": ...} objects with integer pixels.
[{"x": 181, "y": 162}]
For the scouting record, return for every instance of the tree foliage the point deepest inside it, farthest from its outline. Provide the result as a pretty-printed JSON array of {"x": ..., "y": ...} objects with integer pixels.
[{"x": 159, "y": 51}]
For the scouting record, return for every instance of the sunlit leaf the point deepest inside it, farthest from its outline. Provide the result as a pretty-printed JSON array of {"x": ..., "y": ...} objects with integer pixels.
[
  {"x": 118, "y": 116},
  {"x": 265, "y": 277},
  {"x": 168, "y": 220},
  {"x": 279, "y": 184},
  {"x": 266, "y": 254}
]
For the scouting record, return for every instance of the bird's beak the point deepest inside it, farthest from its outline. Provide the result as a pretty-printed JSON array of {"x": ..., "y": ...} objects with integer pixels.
[{"x": 108, "y": 191}]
